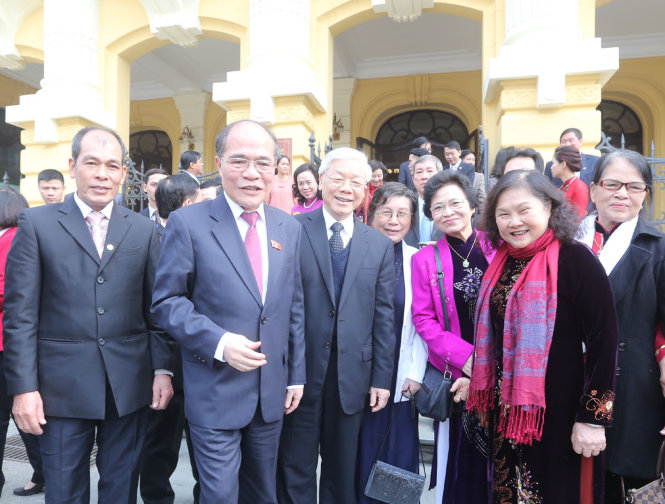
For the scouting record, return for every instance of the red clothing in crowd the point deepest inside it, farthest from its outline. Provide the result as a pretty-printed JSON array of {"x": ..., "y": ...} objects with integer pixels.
[{"x": 577, "y": 194}]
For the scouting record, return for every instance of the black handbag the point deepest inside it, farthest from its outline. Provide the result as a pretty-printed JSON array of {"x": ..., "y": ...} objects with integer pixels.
[
  {"x": 654, "y": 492},
  {"x": 392, "y": 484},
  {"x": 434, "y": 399}
]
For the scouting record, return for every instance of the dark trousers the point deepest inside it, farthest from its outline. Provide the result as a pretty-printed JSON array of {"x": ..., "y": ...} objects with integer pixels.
[
  {"x": 161, "y": 451},
  {"x": 319, "y": 421},
  {"x": 66, "y": 446},
  {"x": 237, "y": 465},
  {"x": 30, "y": 441}
]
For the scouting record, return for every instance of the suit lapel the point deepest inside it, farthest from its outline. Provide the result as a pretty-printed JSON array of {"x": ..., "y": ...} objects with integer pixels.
[
  {"x": 359, "y": 247},
  {"x": 74, "y": 224},
  {"x": 276, "y": 240},
  {"x": 315, "y": 227},
  {"x": 225, "y": 231},
  {"x": 629, "y": 266},
  {"x": 118, "y": 227}
]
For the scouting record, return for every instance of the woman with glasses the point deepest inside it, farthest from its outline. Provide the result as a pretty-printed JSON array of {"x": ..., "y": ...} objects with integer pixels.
[
  {"x": 451, "y": 201},
  {"x": 281, "y": 194},
  {"x": 306, "y": 189},
  {"x": 392, "y": 212},
  {"x": 633, "y": 255}
]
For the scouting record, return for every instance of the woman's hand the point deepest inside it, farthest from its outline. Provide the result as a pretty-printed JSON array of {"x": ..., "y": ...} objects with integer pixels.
[
  {"x": 588, "y": 441},
  {"x": 410, "y": 387},
  {"x": 461, "y": 389}
]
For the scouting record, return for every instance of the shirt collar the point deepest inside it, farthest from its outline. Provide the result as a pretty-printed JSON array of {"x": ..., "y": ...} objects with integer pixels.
[
  {"x": 238, "y": 210},
  {"x": 86, "y": 209},
  {"x": 347, "y": 223}
]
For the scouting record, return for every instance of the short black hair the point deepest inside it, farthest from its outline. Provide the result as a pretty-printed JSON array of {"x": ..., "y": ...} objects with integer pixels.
[
  {"x": 78, "y": 138},
  {"x": 575, "y": 131},
  {"x": 187, "y": 157},
  {"x": 527, "y": 152},
  {"x": 570, "y": 155},
  {"x": 564, "y": 219},
  {"x": 154, "y": 171},
  {"x": 375, "y": 164},
  {"x": 50, "y": 174},
  {"x": 444, "y": 178},
  {"x": 213, "y": 182},
  {"x": 390, "y": 190},
  {"x": 500, "y": 161},
  {"x": 453, "y": 144},
  {"x": 12, "y": 203},
  {"x": 172, "y": 192},
  {"x": 632, "y": 157},
  {"x": 421, "y": 140},
  {"x": 303, "y": 168}
]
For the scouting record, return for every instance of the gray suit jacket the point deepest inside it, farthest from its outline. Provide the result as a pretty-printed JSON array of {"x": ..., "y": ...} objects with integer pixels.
[
  {"x": 364, "y": 317},
  {"x": 72, "y": 320},
  {"x": 205, "y": 287}
]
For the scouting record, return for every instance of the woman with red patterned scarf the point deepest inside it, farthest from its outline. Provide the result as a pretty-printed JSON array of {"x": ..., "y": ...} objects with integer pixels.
[{"x": 545, "y": 348}]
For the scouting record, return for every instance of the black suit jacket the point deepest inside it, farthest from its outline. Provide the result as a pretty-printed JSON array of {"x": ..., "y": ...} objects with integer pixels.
[
  {"x": 72, "y": 320},
  {"x": 466, "y": 169},
  {"x": 364, "y": 317}
]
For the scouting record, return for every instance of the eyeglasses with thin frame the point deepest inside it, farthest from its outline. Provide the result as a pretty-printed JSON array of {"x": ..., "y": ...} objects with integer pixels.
[
  {"x": 307, "y": 183},
  {"x": 240, "y": 164},
  {"x": 355, "y": 184},
  {"x": 454, "y": 205},
  {"x": 615, "y": 185},
  {"x": 388, "y": 214}
]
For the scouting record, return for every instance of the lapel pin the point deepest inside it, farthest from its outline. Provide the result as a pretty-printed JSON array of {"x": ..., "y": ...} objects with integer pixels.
[
  {"x": 275, "y": 245},
  {"x": 109, "y": 246}
]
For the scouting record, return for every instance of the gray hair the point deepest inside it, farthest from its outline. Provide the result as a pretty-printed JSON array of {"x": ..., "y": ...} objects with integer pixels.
[
  {"x": 78, "y": 138},
  {"x": 346, "y": 154},
  {"x": 220, "y": 141},
  {"x": 428, "y": 157}
]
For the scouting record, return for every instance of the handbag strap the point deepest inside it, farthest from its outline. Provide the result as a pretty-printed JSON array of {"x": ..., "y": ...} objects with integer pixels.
[{"x": 442, "y": 290}]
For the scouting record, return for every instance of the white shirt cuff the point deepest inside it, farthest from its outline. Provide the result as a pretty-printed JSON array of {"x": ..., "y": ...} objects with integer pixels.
[
  {"x": 290, "y": 387},
  {"x": 219, "y": 353},
  {"x": 163, "y": 371}
]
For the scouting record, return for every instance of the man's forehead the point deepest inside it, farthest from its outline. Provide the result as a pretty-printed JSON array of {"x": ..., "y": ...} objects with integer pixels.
[{"x": 425, "y": 166}]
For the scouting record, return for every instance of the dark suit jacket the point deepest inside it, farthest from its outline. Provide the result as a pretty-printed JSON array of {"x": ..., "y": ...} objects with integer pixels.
[
  {"x": 205, "y": 287},
  {"x": 413, "y": 236},
  {"x": 365, "y": 332},
  {"x": 72, "y": 320},
  {"x": 145, "y": 212},
  {"x": 466, "y": 169},
  {"x": 589, "y": 163},
  {"x": 404, "y": 176}
]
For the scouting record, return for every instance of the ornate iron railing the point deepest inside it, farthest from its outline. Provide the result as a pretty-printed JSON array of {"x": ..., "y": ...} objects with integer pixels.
[
  {"x": 483, "y": 157},
  {"x": 315, "y": 158}
]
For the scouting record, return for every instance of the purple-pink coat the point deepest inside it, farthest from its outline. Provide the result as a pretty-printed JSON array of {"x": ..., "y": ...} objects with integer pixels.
[{"x": 444, "y": 347}]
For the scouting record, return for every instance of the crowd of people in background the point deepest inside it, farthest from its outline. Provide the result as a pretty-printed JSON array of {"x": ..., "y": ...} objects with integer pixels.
[{"x": 279, "y": 317}]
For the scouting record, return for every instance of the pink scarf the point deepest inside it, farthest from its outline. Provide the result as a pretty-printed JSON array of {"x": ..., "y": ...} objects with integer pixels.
[{"x": 527, "y": 336}]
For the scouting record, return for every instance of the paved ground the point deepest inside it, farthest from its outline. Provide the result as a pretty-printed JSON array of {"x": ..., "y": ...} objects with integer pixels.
[{"x": 17, "y": 474}]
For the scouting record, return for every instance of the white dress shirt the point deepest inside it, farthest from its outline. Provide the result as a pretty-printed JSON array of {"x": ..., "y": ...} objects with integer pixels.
[{"x": 347, "y": 226}]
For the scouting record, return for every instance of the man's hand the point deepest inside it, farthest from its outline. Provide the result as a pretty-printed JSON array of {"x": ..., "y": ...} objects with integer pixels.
[
  {"x": 162, "y": 391},
  {"x": 240, "y": 353},
  {"x": 378, "y": 398},
  {"x": 461, "y": 389},
  {"x": 28, "y": 411},
  {"x": 293, "y": 397},
  {"x": 588, "y": 441},
  {"x": 410, "y": 387},
  {"x": 468, "y": 366}
]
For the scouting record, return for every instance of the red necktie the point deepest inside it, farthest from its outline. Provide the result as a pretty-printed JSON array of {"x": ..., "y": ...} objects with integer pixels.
[
  {"x": 253, "y": 247},
  {"x": 597, "y": 246}
]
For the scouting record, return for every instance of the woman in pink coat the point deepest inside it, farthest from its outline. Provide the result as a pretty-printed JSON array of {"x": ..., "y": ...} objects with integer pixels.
[{"x": 461, "y": 455}]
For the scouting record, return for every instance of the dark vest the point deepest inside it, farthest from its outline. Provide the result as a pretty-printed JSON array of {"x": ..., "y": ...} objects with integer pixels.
[{"x": 338, "y": 269}]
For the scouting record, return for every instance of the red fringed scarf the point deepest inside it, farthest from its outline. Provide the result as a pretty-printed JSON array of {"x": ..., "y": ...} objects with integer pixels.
[{"x": 527, "y": 335}]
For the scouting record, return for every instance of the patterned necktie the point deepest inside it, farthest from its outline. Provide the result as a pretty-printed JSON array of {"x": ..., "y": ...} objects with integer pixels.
[
  {"x": 97, "y": 230},
  {"x": 158, "y": 220},
  {"x": 253, "y": 247},
  {"x": 335, "y": 241}
]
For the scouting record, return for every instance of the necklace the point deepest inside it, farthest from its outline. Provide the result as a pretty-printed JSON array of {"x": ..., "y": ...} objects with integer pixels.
[
  {"x": 310, "y": 205},
  {"x": 465, "y": 260}
]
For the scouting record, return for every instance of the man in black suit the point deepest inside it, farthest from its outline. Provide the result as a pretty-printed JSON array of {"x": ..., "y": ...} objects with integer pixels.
[
  {"x": 422, "y": 146},
  {"x": 573, "y": 137},
  {"x": 348, "y": 282},
  {"x": 151, "y": 180},
  {"x": 164, "y": 433},
  {"x": 453, "y": 153},
  {"x": 191, "y": 163},
  {"x": 83, "y": 357},
  {"x": 423, "y": 231}
]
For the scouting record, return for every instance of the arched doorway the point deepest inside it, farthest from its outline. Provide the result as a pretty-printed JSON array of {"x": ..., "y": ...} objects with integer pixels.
[
  {"x": 150, "y": 149},
  {"x": 618, "y": 119},
  {"x": 395, "y": 137}
]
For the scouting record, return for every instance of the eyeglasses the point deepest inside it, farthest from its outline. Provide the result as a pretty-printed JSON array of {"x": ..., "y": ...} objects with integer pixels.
[
  {"x": 387, "y": 214},
  {"x": 454, "y": 205},
  {"x": 309, "y": 183},
  {"x": 240, "y": 164},
  {"x": 615, "y": 185},
  {"x": 355, "y": 184}
]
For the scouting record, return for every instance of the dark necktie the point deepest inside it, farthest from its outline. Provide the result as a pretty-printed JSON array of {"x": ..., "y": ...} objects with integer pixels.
[
  {"x": 158, "y": 220},
  {"x": 335, "y": 241},
  {"x": 253, "y": 247}
]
